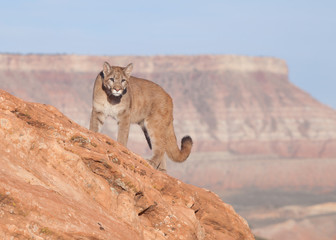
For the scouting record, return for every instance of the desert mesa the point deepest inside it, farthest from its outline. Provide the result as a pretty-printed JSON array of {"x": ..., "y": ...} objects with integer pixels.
[{"x": 236, "y": 104}]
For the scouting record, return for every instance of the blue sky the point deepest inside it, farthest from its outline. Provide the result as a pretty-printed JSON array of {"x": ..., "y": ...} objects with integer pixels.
[{"x": 301, "y": 32}]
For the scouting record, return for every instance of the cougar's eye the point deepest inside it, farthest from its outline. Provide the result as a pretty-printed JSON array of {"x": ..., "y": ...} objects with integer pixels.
[
  {"x": 123, "y": 80},
  {"x": 112, "y": 79}
]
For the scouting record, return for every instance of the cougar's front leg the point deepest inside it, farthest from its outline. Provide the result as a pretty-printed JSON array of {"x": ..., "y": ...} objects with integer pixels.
[
  {"x": 97, "y": 120},
  {"x": 123, "y": 129}
]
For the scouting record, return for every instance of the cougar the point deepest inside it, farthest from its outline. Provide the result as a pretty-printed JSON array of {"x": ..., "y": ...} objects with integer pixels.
[{"x": 128, "y": 100}]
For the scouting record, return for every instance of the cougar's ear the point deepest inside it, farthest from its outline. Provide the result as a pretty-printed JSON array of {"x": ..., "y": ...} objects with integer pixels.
[
  {"x": 128, "y": 69},
  {"x": 106, "y": 68}
]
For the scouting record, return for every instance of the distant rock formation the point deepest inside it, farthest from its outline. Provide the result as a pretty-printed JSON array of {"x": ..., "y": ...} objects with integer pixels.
[
  {"x": 58, "y": 180},
  {"x": 238, "y": 104}
]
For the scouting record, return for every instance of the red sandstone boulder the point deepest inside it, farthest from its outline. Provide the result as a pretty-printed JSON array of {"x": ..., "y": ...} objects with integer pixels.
[{"x": 58, "y": 180}]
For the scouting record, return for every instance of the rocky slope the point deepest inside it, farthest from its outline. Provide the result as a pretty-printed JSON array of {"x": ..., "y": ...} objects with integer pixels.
[
  {"x": 261, "y": 143},
  {"x": 239, "y": 104},
  {"x": 58, "y": 180}
]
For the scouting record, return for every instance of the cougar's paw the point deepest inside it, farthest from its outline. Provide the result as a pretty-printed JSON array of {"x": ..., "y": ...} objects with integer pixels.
[{"x": 156, "y": 166}]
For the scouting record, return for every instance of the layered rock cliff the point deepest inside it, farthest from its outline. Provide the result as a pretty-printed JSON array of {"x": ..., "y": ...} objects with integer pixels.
[
  {"x": 58, "y": 180},
  {"x": 238, "y": 104}
]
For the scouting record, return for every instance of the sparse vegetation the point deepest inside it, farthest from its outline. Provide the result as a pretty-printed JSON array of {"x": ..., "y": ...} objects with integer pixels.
[
  {"x": 82, "y": 141},
  {"x": 45, "y": 231}
]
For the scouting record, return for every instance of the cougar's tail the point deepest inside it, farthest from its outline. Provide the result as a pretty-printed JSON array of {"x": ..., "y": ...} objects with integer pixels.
[{"x": 172, "y": 150}]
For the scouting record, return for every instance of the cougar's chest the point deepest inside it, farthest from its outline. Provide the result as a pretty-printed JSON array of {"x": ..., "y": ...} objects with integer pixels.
[{"x": 115, "y": 110}]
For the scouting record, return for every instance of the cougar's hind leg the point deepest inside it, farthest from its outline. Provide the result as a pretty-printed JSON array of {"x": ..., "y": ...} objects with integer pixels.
[
  {"x": 157, "y": 138},
  {"x": 158, "y": 160}
]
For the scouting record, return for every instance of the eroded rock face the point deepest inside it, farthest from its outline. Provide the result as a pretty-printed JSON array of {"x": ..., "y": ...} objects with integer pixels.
[
  {"x": 58, "y": 180},
  {"x": 239, "y": 104}
]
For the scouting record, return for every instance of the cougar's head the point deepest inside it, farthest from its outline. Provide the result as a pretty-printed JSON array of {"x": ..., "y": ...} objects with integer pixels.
[{"x": 115, "y": 79}]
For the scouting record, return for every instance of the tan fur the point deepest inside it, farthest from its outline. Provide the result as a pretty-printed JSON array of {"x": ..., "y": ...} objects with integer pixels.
[{"x": 139, "y": 101}]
